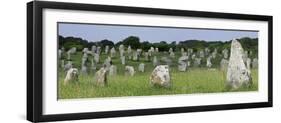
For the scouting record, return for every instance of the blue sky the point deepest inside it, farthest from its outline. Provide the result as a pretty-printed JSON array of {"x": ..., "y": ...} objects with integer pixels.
[{"x": 115, "y": 33}]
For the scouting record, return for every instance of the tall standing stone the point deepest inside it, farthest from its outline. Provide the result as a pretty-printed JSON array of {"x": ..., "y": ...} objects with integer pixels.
[
  {"x": 207, "y": 51},
  {"x": 135, "y": 56},
  {"x": 209, "y": 63},
  {"x": 225, "y": 53},
  {"x": 248, "y": 63},
  {"x": 62, "y": 64},
  {"x": 255, "y": 63},
  {"x": 94, "y": 48},
  {"x": 237, "y": 74},
  {"x": 201, "y": 54},
  {"x": 146, "y": 56},
  {"x": 112, "y": 52},
  {"x": 155, "y": 61},
  {"x": 97, "y": 58},
  {"x": 106, "y": 49},
  {"x": 129, "y": 51},
  {"x": 172, "y": 54},
  {"x": 93, "y": 66},
  {"x": 123, "y": 60},
  {"x": 59, "y": 53}
]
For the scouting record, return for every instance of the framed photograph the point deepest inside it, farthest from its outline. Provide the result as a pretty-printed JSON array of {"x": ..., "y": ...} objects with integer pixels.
[{"x": 89, "y": 61}]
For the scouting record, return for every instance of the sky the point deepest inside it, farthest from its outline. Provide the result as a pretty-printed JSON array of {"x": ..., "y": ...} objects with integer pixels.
[{"x": 116, "y": 33}]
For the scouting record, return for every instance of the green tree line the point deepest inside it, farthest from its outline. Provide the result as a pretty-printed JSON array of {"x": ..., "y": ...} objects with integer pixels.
[{"x": 134, "y": 41}]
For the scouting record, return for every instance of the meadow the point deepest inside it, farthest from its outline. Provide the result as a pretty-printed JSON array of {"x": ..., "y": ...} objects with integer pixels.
[{"x": 194, "y": 80}]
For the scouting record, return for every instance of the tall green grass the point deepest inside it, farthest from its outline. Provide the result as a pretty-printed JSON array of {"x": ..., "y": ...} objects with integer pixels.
[{"x": 197, "y": 80}]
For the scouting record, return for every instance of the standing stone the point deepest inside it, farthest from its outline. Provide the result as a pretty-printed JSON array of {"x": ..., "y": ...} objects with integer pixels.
[
  {"x": 193, "y": 56},
  {"x": 68, "y": 53},
  {"x": 251, "y": 53},
  {"x": 59, "y": 53},
  {"x": 156, "y": 50},
  {"x": 201, "y": 54},
  {"x": 122, "y": 53},
  {"x": 67, "y": 66},
  {"x": 93, "y": 66},
  {"x": 197, "y": 62},
  {"x": 172, "y": 54},
  {"x": 189, "y": 51},
  {"x": 161, "y": 76},
  {"x": 85, "y": 50},
  {"x": 98, "y": 50},
  {"x": 129, "y": 71},
  {"x": 214, "y": 53},
  {"x": 101, "y": 77},
  {"x": 152, "y": 49},
  {"x": 207, "y": 51},
  {"x": 182, "y": 63},
  {"x": 223, "y": 64},
  {"x": 150, "y": 52},
  {"x": 106, "y": 49},
  {"x": 123, "y": 60},
  {"x": 184, "y": 54},
  {"x": 72, "y": 50},
  {"x": 225, "y": 53},
  {"x": 139, "y": 51},
  {"x": 84, "y": 60},
  {"x": 248, "y": 63},
  {"x": 62, "y": 64},
  {"x": 155, "y": 61},
  {"x": 237, "y": 74},
  {"x": 146, "y": 56},
  {"x": 94, "y": 48},
  {"x": 255, "y": 63},
  {"x": 97, "y": 58},
  {"x": 121, "y": 48},
  {"x": 135, "y": 56},
  {"x": 85, "y": 56},
  {"x": 107, "y": 62},
  {"x": 166, "y": 60},
  {"x": 188, "y": 63},
  {"x": 209, "y": 63},
  {"x": 182, "y": 51},
  {"x": 141, "y": 67},
  {"x": 84, "y": 70},
  {"x": 171, "y": 50},
  {"x": 129, "y": 51},
  {"x": 112, "y": 52},
  {"x": 112, "y": 70}
]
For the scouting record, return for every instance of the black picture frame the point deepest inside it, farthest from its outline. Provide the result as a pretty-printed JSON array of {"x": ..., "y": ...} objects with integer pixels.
[{"x": 35, "y": 69}]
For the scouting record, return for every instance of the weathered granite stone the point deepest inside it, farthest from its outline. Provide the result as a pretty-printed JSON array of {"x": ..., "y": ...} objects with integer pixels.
[
  {"x": 237, "y": 73},
  {"x": 161, "y": 76}
]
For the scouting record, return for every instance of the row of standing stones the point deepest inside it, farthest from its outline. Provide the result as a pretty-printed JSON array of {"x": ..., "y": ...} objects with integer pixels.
[{"x": 237, "y": 67}]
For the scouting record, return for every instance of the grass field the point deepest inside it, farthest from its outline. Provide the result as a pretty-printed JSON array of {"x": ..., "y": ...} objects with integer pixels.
[{"x": 195, "y": 80}]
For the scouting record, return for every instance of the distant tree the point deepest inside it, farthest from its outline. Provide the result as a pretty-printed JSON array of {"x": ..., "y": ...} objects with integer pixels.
[
  {"x": 145, "y": 45},
  {"x": 133, "y": 41},
  {"x": 106, "y": 42}
]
